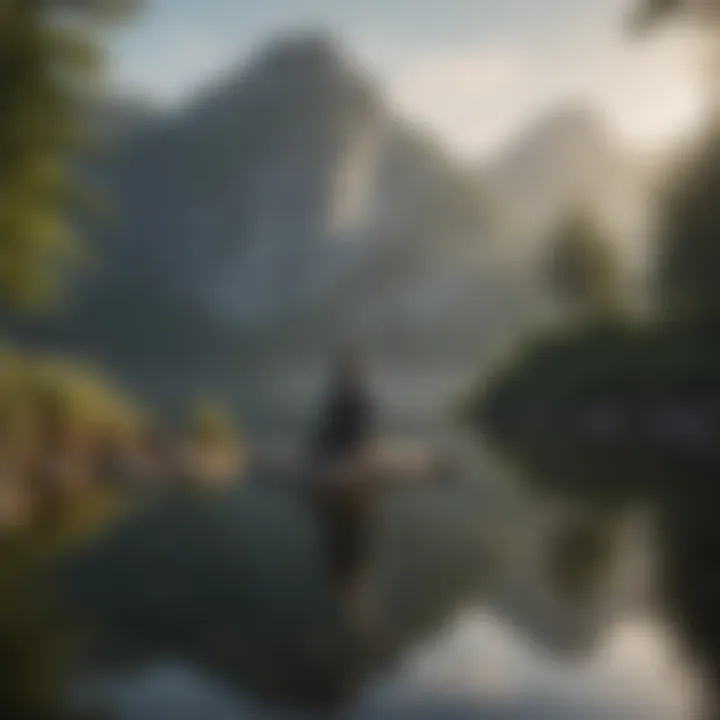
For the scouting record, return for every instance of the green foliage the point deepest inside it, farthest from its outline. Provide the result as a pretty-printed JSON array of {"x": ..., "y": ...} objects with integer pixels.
[
  {"x": 649, "y": 12},
  {"x": 583, "y": 269},
  {"x": 35, "y": 391},
  {"x": 211, "y": 423},
  {"x": 689, "y": 247},
  {"x": 688, "y": 252},
  {"x": 650, "y": 395},
  {"x": 541, "y": 408},
  {"x": 49, "y": 67},
  {"x": 535, "y": 411},
  {"x": 55, "y": 414}
]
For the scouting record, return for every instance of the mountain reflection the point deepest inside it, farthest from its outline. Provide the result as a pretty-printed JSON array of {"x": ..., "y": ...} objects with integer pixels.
[
  {"x": 233, "y": 582},
  {"x": 478, "y": 667}
]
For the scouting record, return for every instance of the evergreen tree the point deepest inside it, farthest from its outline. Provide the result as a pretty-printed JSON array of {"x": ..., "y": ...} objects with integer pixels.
[
  {"x": 649, "y": 12},
  {"x": 583, "y": 270},
  {"x": 49, "y": 67},
  {"x": 688, "y": 254},
  {"x": 688, "y": 257}
]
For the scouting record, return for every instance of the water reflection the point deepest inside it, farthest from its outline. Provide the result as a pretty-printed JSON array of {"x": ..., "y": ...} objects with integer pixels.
[
  {"x": 221, "y": 602},
  {"x": 234, "y": 583},
  {"x": 478, "y": 667}
]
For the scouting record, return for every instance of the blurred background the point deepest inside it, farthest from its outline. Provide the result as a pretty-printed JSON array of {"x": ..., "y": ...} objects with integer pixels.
[{"x": 509, "y": 208}]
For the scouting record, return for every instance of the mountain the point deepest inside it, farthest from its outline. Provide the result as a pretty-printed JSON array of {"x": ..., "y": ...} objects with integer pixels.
[
  {"x": 282, "y": 212},
  {"x": 569, "y": 160},
  {"x": 287, "y": 210}
]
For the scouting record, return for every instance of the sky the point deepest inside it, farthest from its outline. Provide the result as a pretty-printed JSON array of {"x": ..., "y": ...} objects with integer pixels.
[{"x": 475, "y": 73}]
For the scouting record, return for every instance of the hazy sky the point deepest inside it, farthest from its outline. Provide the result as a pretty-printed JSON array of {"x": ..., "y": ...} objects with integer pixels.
[{"x": 473, "y": 71}]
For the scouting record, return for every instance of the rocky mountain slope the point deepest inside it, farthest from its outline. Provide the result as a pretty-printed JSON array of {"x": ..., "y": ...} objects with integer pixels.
[{"x": 287, "y": 210}]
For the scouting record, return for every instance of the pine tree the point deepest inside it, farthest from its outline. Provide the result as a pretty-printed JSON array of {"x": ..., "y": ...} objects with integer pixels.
[
  {"x": 49, "y": 68},
  {"x": 688, "y": 257},
  {"x": 649, "y": 12},
  {"x": 583, "y": 270}
]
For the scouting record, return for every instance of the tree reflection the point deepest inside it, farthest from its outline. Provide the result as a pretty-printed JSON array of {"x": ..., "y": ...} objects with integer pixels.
[{"x": 233, "y": 582}]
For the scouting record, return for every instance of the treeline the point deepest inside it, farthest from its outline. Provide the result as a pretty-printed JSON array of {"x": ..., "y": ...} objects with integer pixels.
[
  {"x": 69, "y": 439},
  {"x": 613, "y": 411}
]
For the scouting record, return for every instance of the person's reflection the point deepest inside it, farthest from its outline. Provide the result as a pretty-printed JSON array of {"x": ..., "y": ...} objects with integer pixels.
[{"x": 341, "y": 450}]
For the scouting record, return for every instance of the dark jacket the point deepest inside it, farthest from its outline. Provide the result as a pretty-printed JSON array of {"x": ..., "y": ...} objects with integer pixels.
[{"x": 345, "y": 424}]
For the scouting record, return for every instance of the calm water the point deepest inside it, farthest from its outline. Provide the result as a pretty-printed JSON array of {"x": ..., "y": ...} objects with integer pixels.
[
  {"x": 485, "y": 633},
  {"x": 478, "y": 667}
]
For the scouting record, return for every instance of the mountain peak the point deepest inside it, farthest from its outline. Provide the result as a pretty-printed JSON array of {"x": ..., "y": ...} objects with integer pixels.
[
  {"x": 297, "y": 83},
  {"x": 309, "y": 52}
]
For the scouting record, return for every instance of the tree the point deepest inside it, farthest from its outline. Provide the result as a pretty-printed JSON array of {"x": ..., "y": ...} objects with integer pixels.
[
  {"x": 688, "y": 256},
  {"x": 583, "y": 269},
  {"x": 49, "y": 67},
  {"x": 688, "y": 252},
  {"x": 705, "y": 15},
  {"x": 650, "y": 12}
]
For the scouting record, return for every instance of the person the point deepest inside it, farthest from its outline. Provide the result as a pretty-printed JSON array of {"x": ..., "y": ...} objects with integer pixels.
[
  {"x": 347, "y": 469},
  {"x": 346, "y": 420},
  {"x": 340, "y": 444}
]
